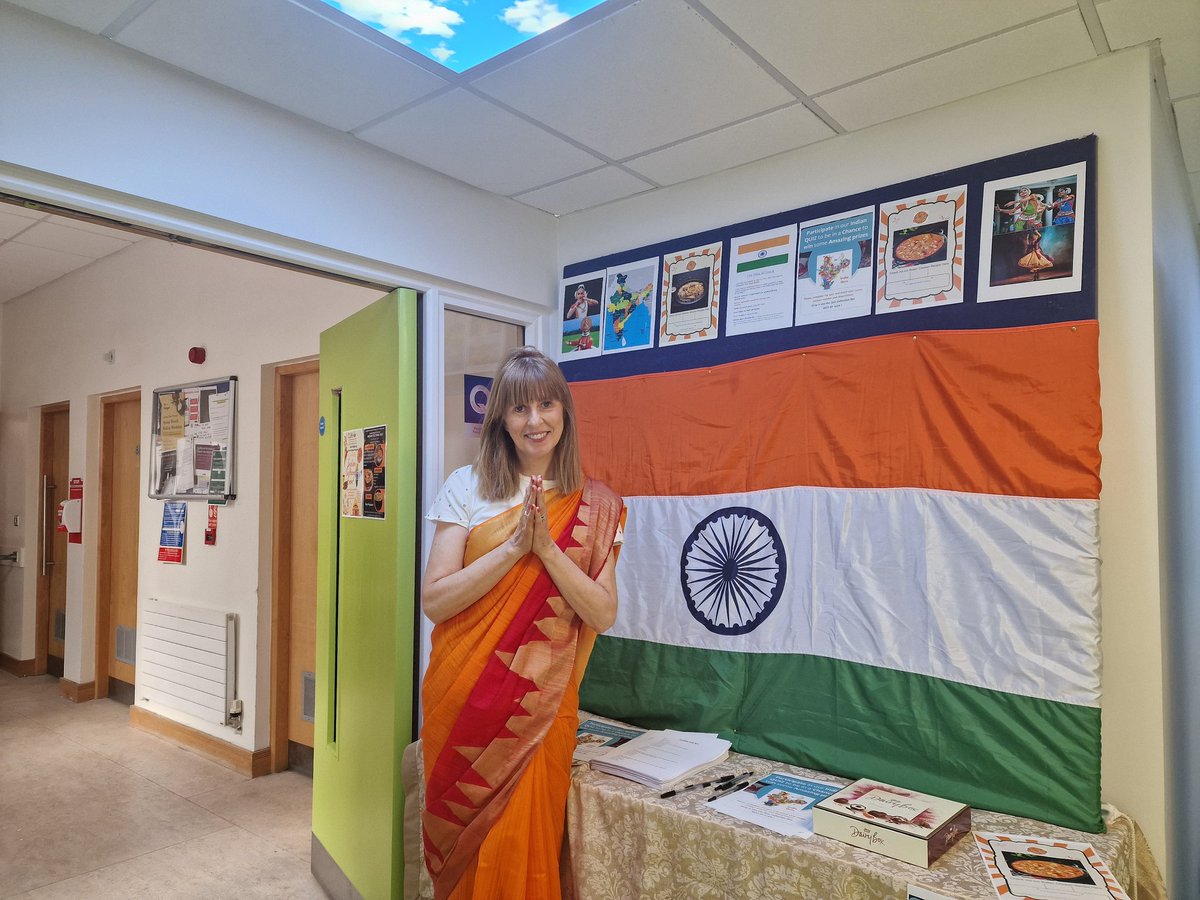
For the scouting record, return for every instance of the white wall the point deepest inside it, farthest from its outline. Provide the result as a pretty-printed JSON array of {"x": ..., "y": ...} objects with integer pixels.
[
  {"x": 86, "y": 109},
  {"x": 1176, "y": 289},
  {"x": 1111, "y": 98},
  {"x": 150, "y": 303}
]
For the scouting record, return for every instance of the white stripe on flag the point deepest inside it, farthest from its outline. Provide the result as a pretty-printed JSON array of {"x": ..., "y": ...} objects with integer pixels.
[{"x": 992, "y": 591}]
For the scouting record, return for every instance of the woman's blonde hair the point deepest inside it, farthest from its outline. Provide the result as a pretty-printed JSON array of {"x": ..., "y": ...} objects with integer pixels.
[{"x": 526, "y": 376}]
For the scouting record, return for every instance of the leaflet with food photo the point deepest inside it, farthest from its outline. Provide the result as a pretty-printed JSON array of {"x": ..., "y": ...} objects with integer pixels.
[
  {"x": 1046, "y": 869},
  {"x": 920, "y": 255},
  {"x": 594, "y": 738},
  {"x": 779, "y": 802}
]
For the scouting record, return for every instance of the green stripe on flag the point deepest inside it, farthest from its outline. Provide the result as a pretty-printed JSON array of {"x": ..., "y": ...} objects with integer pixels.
[
  {"x": 762, "y": 263},
  {"x": 991, "y": 749}
]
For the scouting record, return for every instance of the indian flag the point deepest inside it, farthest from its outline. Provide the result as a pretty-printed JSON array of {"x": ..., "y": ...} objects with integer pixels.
[
  {"x": 878, "y": 558},
  {"x": 749, "y": 255}
]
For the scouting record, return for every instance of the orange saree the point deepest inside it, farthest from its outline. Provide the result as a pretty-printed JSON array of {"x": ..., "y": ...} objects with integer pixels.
[{"x": 500, "y": 702}]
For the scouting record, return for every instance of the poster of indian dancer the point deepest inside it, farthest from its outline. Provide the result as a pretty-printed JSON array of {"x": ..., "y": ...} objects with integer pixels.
[{"x": 1033, "y": 240}]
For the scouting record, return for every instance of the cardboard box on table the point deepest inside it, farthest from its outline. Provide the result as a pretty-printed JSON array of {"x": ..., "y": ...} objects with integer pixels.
[{"x": 905, "y": 825}]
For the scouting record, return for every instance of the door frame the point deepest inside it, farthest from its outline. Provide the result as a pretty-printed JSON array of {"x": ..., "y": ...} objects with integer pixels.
[
  {"x": 41, "y": 618},
  {"x": 280, "y": 612},
  {"x": 104, "y": 541}
]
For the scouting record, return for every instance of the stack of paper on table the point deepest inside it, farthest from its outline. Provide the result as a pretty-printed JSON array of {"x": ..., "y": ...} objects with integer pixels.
[{"x": 658, "y": 758}]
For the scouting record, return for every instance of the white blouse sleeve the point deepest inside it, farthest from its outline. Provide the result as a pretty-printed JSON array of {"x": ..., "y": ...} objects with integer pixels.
[{"x": 454, "y": 501}]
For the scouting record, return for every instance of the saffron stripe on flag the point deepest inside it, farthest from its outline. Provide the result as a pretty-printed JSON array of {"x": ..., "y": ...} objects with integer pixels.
[
  {"x": 765, "y": 244},
  {"x": 1002, "y": 411},
  {"x": 858, "y": 721}
]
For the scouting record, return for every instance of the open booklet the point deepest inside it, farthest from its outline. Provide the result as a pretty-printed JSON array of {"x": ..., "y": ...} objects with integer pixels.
[
  {"x": 593, "y": 739},
  {"x": 659, "y": 758},
  {"x": 783, "y": 803}
]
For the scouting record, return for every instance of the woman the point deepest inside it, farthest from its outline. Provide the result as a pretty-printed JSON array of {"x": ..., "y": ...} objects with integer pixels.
[{"x": 521, "y": 576}]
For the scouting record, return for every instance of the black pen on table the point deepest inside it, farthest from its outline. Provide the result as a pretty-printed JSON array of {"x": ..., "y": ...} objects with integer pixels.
[
  {"x": 731, "y": 789},
  {"x": 701, "y": 784}
]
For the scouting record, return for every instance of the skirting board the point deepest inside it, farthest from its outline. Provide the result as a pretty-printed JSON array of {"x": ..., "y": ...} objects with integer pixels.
[
  {"x": 330, "y": 875},
  {"x": 77, "y": 693},
  {"x": 246, "y": 762},
  {"x": 18, "y": 667}
]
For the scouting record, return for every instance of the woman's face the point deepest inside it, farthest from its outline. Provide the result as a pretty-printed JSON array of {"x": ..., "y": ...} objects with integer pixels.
[{"x": 535, "y": 429}]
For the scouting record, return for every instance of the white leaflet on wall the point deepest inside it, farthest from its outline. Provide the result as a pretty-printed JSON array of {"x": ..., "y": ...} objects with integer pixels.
[
  {"x": 834, "y": 267},
  {"x": 691, "y": 291},
  {"x": 762, "y": 288}
]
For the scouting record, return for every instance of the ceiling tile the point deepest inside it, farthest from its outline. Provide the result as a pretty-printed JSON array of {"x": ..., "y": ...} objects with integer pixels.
[
  {"x": 476, "y": 141},
  {"x": 26, "y": 267},
  {"x": 1187, "y": 118},
  {"x": 646, "y": 76},
  {"x": 285, "y": 54},
  {"x": 758, "y": 138},
  {"x": 1175, "y": 22},
  {"x": 76, "y": 241},
  {"x": 96, "y": 228},
  {"x": 820, "y": 45},
  {"x": 16, "y": 209},
  {"x": 11, "y": 224},
  {"x": 93, "y": 16},
  {"x": 583, "y": 191},
  {"x": 991, "y": 63}
]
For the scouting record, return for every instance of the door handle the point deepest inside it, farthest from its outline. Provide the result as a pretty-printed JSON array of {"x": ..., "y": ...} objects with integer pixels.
[{"x": 47, "y": 501}]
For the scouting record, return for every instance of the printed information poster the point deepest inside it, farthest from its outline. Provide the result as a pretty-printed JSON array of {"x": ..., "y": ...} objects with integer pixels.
[
  {"x": 920, "y": 261},
  {"x": 1035, "y": 246},
  {"x": 1046, "y": 869},
  {"x": 581, "y": 316},
  {"x": 834, "y": 267},
  {"x": 761, "y": 287},
  {"x": 779, "y": 802},
  {"x": 364, "y": 471},
  {"x": 631, "y": 307},
  {"x": 174, "y": 532},
  {"x": 691, "y": 287}
]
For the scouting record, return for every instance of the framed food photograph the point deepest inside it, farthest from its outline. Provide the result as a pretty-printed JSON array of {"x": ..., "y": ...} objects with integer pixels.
[
  {"x": 919, "y": 261},
  {"x": 1032, "y": 244},
  {"x": 691, "y": 290}
]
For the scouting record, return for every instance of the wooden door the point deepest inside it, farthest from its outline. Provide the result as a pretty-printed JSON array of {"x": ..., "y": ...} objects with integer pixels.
[
  {"x": 117, "y": 581},
  {"x": 294, "y": 632},
  {"x": 52, "y": 545}
]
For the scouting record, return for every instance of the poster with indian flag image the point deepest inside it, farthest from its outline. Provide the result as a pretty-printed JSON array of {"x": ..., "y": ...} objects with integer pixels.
[{"x": 761, "y": 287}]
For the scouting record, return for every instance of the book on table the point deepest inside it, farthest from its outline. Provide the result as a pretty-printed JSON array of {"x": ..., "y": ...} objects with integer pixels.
[{"x": 661, "y": 758}]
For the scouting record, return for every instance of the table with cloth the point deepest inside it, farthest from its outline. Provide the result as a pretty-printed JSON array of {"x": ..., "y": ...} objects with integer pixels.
[{"x": 624, "y": 842}]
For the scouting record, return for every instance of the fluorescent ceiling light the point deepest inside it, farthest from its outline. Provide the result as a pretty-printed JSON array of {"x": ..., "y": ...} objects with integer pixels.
[{"x": 460, "y": 34}]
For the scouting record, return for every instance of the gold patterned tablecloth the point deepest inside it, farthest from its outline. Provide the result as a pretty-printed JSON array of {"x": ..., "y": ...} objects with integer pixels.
[{"x": 625, "y": 843}]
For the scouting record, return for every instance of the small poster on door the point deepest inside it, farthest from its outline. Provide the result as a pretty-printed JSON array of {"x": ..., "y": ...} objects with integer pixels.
[
  {"x": 364, "y": 472},
  {"x": 173, "y": 536}
]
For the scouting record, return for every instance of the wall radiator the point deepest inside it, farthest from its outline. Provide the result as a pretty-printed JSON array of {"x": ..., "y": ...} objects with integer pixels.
[{"x": 188, "y": 661}]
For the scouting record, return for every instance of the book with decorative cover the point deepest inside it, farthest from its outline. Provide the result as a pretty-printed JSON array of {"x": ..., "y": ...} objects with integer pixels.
[{"x": 903, "y": 824}]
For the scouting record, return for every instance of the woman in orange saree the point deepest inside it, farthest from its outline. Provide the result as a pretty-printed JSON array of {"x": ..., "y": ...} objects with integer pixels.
[{"x": 521, "y": 576}]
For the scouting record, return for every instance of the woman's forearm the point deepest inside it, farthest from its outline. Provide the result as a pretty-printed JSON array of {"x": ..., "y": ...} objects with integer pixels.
[
  {"x": 595, "y": 602},
  {"x": 449, "y": 594}
]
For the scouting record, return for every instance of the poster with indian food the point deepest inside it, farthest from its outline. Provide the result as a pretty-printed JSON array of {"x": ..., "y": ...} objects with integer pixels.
[
  {"x": 920, "y": 251},
  {"x": 364, "y": 472},
  {"x": 834, "y": 267},
  {"x": 630, "y": 306},
  {"x": 691, "y": 290},
  {"x": 1032, "y": 245},
  {"x": 1042, "y": 868},
  {"x": 582, "y": 311},
  {"x": 761, "y": 287}
]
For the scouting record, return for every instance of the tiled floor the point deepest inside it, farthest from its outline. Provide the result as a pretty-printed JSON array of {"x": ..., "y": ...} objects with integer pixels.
[{"x": 92, "y": 808}]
